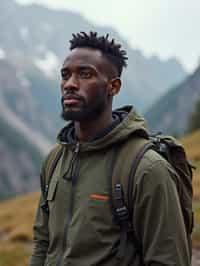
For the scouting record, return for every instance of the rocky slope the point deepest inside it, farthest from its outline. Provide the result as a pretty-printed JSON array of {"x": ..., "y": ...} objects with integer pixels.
[
  {"x": 22, "y": 146},
  {"x": 171, "y": 113}
]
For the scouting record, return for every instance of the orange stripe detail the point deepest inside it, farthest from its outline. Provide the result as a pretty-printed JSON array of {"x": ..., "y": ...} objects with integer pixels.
[{"x": 101, "y": 197}]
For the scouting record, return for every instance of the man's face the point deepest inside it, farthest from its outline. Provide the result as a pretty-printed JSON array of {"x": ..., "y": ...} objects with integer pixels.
[{"x": 84, "y": 85}]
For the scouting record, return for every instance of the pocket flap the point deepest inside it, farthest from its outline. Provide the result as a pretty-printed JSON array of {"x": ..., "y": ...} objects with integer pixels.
[{"x": 52, "y": 189}]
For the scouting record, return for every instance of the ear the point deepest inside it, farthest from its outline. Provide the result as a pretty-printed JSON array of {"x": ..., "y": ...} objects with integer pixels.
[{"x": 114, "y": 86}]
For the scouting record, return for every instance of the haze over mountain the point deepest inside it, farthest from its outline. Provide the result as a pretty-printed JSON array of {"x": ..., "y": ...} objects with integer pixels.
[
  {"x": 33, "y": 43},
  {"x": 41, "y": 35},
  {"x": 22, "y": 145},
  {"x": 171, "y": 113}
]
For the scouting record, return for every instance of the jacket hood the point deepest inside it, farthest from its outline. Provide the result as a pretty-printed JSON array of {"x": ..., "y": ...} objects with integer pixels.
[{"x": 130, "y": 123}]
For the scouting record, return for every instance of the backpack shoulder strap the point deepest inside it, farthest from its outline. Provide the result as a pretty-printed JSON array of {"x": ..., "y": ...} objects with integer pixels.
[
  {"x": 129, "y": 154},
  {"x": 47, "y": 172},
  {"x": 132, "y": 173}
]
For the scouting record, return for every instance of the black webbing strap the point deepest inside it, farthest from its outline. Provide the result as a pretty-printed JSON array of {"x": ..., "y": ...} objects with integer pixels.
[
  {"x": 124, "y": 213},
  {"x": 121, "y": 212},
  {"x": 123, "y": 219},
  {"x": 113, "y": 160},
  {"x": 122, "y": 247},
  {"x": 118, "y": 207}
]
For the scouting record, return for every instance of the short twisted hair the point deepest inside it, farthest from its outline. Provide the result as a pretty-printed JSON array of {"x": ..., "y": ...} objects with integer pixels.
[{"x": 110, "y": 49}]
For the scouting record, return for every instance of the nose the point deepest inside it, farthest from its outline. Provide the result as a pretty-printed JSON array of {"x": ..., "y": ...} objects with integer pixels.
[{"x": 71, "y": 83}]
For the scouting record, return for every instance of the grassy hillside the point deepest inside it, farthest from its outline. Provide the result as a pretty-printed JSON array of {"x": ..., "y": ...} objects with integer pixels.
[
  {"x": 16, "y": 219},
  {"x": 192, "y": 145},
  {"x": 17, "y": 215}
]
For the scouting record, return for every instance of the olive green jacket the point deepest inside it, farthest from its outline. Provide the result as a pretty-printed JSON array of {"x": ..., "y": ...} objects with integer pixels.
[{"x": 79, "y": 229}]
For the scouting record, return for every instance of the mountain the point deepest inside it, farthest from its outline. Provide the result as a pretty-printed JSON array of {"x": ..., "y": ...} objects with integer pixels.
[
  {"x": 22, "y": 147},
  {"x": 40, "y": 35},
  {"x": 20, "y": 109},
  {"x": 20, "y": 162},
  {"x": 171, "y": 113},
  {"x": 33, "y": 44}
]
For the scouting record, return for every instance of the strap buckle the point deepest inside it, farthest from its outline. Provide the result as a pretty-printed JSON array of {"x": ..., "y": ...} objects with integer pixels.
[
  {"x": 121, "y": 211},
  {"x": 44, "y": 206}
]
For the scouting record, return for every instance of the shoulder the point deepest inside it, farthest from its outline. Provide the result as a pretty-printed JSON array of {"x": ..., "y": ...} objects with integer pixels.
[
  {"x": 55, "y": 149},
  {"x": 51, "y": 156},
  {"x": 155, "y": 171}
]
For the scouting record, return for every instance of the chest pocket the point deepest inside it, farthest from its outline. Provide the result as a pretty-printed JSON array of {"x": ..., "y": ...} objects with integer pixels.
[
  {"x": 52, "y": 193},
  {"x": 51, "y": 201}
]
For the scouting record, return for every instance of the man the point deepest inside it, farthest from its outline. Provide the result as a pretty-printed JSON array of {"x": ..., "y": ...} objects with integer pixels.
[{"x": 79, "y": 228}]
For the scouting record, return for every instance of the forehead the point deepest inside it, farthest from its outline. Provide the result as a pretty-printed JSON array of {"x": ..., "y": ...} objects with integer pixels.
[{"x": 85, "y": 56}]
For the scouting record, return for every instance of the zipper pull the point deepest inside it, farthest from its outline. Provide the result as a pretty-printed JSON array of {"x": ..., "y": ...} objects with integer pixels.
[{"x": 77, "y": 148}]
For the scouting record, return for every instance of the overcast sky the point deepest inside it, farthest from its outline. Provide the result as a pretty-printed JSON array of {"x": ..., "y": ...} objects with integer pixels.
[{"x": 162, "y": 27}]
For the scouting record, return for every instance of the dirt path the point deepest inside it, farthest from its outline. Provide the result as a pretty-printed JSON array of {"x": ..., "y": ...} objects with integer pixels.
[{"x": 196, "y": 257}]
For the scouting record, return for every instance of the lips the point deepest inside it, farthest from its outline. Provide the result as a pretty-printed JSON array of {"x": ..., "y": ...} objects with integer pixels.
[{"x": 70, "y": 99}]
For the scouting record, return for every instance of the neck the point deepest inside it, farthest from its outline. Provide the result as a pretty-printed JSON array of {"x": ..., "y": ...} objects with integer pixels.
[{"x": 87, "y": 130}]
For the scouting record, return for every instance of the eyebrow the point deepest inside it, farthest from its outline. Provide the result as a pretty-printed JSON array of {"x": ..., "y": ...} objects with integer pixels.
[{"x": 82, "y": 66}]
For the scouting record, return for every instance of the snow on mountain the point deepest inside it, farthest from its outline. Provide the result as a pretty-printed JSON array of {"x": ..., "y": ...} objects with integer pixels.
[
  {"x": 2, "y": 54},
  {"x": 49, "y": 64}
]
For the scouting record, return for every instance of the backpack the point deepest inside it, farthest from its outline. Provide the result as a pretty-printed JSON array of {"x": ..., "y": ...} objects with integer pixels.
[{"x": 121, "y": 187}]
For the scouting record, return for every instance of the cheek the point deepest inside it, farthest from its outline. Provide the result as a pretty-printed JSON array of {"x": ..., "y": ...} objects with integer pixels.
[
  {"x": 62, "y": 87},
  {"x": 96, "y": 89}
]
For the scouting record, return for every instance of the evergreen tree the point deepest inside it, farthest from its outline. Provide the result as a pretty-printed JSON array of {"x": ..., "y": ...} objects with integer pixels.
[{"x": 194, "y": 120}]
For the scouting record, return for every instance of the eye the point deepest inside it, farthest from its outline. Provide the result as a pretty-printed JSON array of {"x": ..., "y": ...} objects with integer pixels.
[
  {"x": 85, "y": 74},
  {"x": 65, "y": 74}
]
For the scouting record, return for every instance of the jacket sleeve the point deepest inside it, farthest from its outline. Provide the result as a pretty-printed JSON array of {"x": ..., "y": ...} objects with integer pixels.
[
  {"x": 40, "y": 237},
  {"x": 158, "y": 219}
]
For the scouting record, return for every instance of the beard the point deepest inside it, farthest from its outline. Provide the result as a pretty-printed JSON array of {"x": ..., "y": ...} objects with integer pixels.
[{"x": 90, "y": 110}]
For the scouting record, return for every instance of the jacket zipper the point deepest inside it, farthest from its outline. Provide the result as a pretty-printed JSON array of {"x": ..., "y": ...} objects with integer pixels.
[{"x": 74, "y": 176}]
